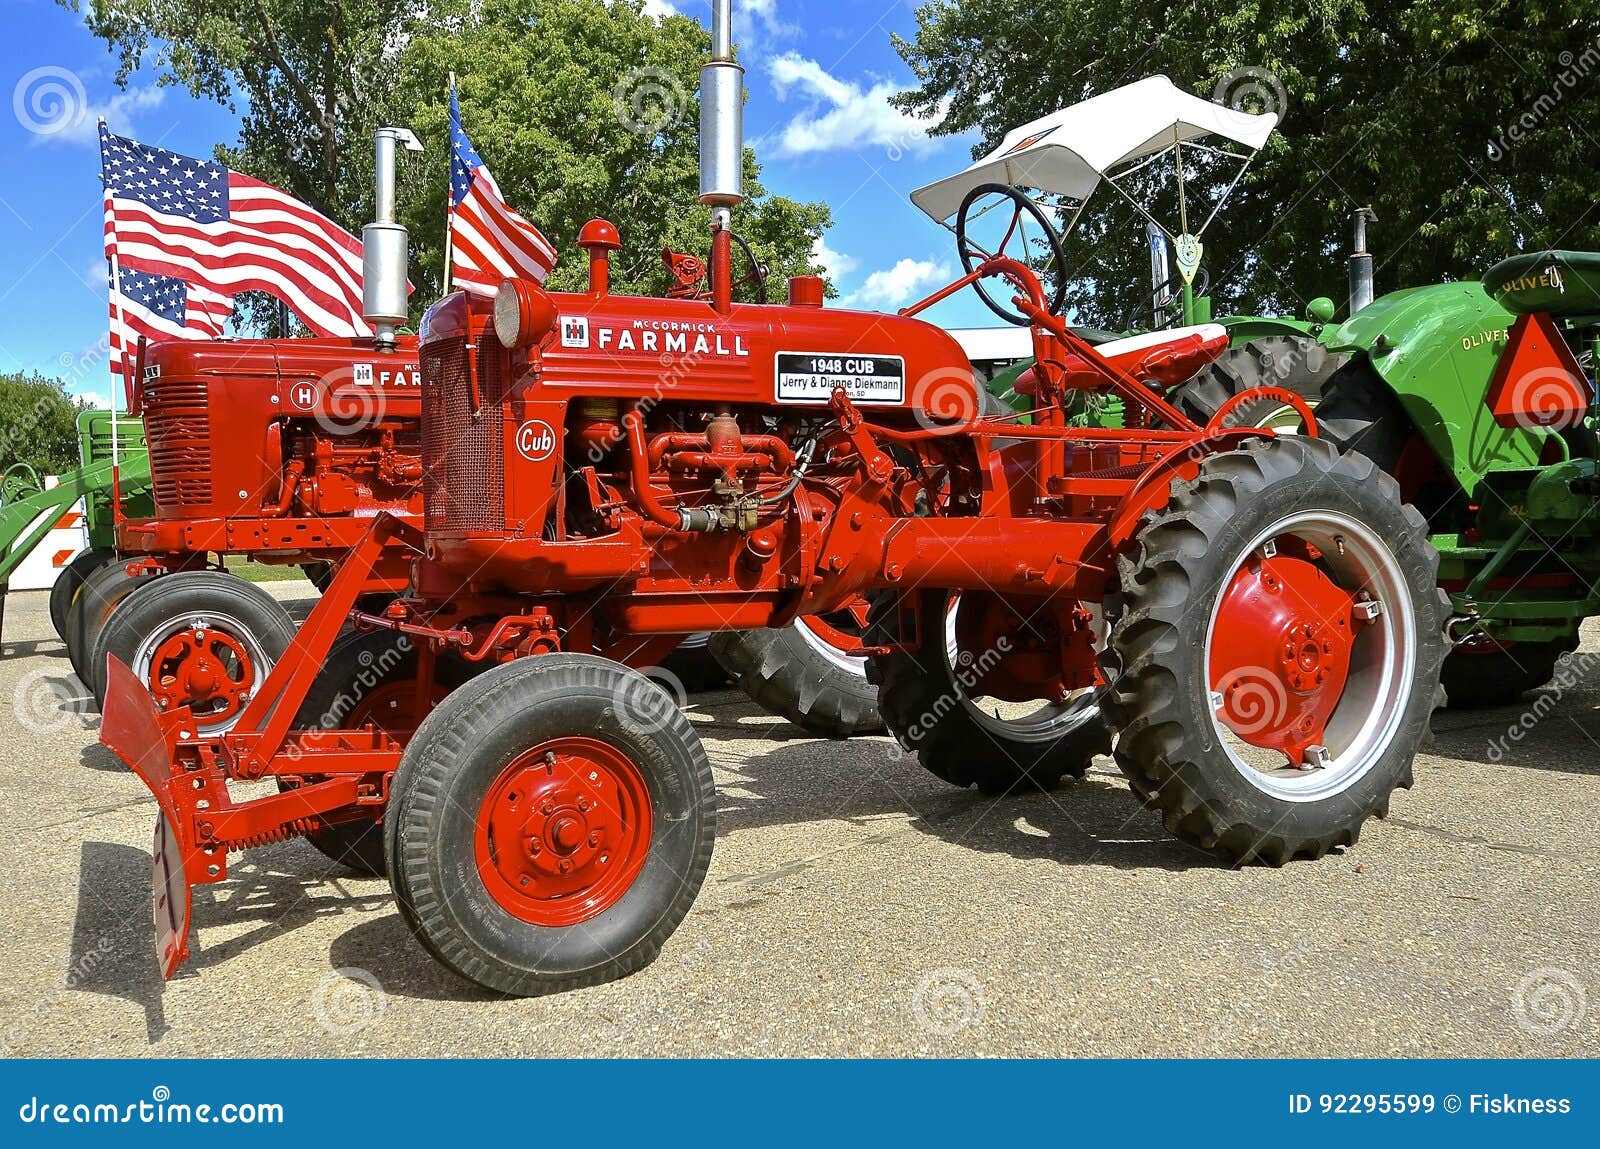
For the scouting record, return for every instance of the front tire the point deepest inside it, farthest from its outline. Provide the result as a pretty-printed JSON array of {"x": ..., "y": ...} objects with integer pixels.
[
  {"x": 1275, "y": 667},
  {"x": 550, "y": 825},
  {"x": 202, "y": 639},
  {"x": 70, "y": 581}
]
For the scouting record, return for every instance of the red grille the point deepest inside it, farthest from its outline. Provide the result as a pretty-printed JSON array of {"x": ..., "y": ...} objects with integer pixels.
[
  {"x": 178, "y": 430},
  {"x": 463, "y": 462}
]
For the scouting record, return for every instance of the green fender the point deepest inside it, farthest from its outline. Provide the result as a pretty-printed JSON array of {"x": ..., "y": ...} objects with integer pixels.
[{"x": 1436, "y": 347}]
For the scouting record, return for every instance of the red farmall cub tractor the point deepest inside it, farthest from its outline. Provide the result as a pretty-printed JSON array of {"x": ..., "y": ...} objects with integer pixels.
[{"x": 604, "y": 474}]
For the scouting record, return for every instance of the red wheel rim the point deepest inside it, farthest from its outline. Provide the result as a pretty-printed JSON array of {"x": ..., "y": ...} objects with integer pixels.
[
  {"x": 392, "y": 708},
  {"x": 1280, "y": 657},
  {"x": 563, "y": 832},
  {"x": 841, "y": 629},
  {"x": 208, "y": 670}
]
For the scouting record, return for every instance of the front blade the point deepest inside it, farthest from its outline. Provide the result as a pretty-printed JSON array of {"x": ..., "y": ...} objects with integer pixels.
[{"x": 134, "y": 730}]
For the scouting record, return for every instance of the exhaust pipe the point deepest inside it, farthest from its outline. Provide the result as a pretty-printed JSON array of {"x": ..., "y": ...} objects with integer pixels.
[
  {"x": 721, "y": 119},
  {"x": 1360, "y": 259},
  {"x": 384, "y": 244}
]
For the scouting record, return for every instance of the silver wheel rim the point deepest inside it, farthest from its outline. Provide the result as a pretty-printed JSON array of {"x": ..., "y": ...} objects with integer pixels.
[
  {"x": 176, "y": 624},
  {"x": 1382, "y": 662},
  {"x": 849, "y": 663},
  {"x": 1048, "y": 722}
]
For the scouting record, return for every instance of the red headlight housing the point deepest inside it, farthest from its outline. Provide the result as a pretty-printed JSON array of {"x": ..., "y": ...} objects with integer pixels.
[{"x": 523, "y": 314}]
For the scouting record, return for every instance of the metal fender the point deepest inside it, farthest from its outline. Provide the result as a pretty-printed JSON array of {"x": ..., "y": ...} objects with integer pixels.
[{"x": 1436, "y": 348}]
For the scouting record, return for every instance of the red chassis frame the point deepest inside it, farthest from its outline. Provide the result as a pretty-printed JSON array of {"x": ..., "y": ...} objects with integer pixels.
[{"x": 1105, "y": 479}]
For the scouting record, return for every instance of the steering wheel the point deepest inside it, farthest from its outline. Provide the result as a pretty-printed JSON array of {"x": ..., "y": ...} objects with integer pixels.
[
  {"x": 20, "y": 481},
  {"x": 1202, "y": 283},
  {"x": 973, "y": 254},
  {"x": 756, "y": 275}
]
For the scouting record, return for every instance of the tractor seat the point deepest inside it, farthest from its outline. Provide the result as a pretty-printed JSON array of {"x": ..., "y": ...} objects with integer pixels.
[
  {"x": 1554, "y": 282},
  {"x": 1165, "y": 357}
]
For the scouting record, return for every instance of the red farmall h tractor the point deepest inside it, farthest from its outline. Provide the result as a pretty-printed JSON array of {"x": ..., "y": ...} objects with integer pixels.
[{"x": 1258, "y": 614}]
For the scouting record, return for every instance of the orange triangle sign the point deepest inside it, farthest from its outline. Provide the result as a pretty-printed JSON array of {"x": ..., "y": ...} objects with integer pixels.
[{"x": 1537, "y": 382}]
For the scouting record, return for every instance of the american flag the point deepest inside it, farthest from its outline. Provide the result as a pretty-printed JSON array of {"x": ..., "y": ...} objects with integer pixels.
[
  {"x": 489, "y": 241},
  {"x": 162, "y": 307},
  {"x": 197, "y": 221}
]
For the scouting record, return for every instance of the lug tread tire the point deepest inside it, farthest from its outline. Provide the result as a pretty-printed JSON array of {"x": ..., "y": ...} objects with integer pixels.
[
  {"x": 468, "y": 740},
  {"x": 358, "y": 844},
  {"x": 1307, "y": 367},
  {"x": 912, "y": 686},
  {"x": 1166, "y": 745},
  {"x": 784, "y": 674}
]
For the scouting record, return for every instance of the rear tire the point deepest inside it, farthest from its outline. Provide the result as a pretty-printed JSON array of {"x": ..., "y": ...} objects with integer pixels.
[
  {"x": 1502, "y": 674},
  {"x": 492, "y": 788},
  {"x": 1297, "y": 363},
  {"x": 70, "y": 581},
  {"x": 365, "y": 679},
  {"x": 798, "y": 673},
  {"x": 930, "y": 715},
  {"x": 693, "y": 665},
  {"x": 1172, "y": 696},
  {"x": 153, "y": 632}
]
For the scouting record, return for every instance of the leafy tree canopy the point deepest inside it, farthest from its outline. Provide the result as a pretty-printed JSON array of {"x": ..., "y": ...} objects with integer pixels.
[
  {"x": 1469, "y": 126},
  {"x": 38, "y": 423}
]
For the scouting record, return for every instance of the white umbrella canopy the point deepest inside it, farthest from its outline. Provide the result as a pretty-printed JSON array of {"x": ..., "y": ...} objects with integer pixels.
[{"x": 1070, "y": 151}]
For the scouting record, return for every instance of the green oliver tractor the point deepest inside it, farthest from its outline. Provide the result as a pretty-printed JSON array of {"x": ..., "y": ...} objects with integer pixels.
[{"x": 1479, "y": 398}]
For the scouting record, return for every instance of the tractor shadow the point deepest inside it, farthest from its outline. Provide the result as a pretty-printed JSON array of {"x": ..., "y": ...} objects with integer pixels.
[
  {"x": 1547, "y": 730},
  {"x": 268, "y": 893},
  {"x": 867, "y": 781}
]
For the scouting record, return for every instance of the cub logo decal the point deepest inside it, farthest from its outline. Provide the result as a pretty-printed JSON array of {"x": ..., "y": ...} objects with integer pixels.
[{"x": 536, "y": 441}]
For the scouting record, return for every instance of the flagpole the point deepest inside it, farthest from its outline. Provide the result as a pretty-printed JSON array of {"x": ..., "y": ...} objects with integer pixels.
[
  {"x": 449, "y": 198},
  {"x": 122, "y": 332}
]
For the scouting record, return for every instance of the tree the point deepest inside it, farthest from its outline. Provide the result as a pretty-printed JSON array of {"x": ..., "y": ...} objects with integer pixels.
[
  {"x": 1469, "y": 127},
  {"x": 38, "y": 423},
  {"x": 579, "y": 107}
]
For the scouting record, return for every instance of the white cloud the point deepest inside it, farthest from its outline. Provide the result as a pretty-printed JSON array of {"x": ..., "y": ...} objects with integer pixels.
[
  {"x": 79, "y": 123},
  {"x": 841, "y": 114},
  {"x": 834, "y": 263},
  {"x": 659, "y": 9},
  {"x": 898, "y": 285}
]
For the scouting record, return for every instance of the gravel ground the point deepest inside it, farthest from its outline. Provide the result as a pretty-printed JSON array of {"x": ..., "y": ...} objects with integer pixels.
[{"x": 855, "y": 906}]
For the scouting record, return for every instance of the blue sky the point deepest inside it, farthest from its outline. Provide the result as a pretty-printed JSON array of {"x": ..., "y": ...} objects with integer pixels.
[{"x": 819, "y": 75}]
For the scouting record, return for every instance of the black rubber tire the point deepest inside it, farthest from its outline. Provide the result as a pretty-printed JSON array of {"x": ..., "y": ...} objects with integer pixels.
[
  {"x": 210, "y": 594},
  {"x": 70, "y": 581},
  {"x": 694, "y": 666},
  {"x": 1360, "y": 413},
  {"x": 102, "y": 591},
  {"x": 920, "y": 701},
  {"x": 1158, "y": 700},
  {"x": 360, "y": 662},
  {"x": 782, "y": 671},
  {"x": 1296, "y": 363},
  {"x": 318, "y": 574},
  {"x": 457, "y": 754},
  {"x": 1500, "y": 677}
]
